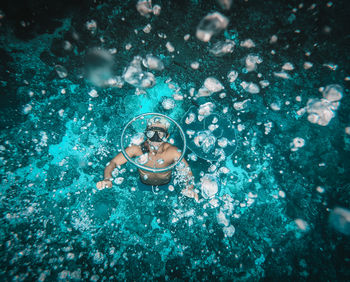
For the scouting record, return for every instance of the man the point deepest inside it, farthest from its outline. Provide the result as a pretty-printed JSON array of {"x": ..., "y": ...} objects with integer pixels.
[{"x": 155, "y": 152}]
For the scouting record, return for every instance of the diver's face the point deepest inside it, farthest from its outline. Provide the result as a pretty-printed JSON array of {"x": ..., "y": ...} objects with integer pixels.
[{"x": 156, "y": 134}]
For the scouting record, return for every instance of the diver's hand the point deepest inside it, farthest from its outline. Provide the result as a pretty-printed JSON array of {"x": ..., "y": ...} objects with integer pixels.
[
  {"x": 189, "y": 192},
  {"x": 104, "y": 184}
]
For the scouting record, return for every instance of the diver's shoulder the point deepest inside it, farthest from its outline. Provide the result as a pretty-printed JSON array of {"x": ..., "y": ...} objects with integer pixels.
[
  {"x": 134, "y": 150},
  {"x": 169, "y": 147}
]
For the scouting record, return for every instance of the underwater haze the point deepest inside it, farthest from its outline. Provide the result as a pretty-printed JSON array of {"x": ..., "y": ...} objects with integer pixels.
[{"x": 261, "y": 89}]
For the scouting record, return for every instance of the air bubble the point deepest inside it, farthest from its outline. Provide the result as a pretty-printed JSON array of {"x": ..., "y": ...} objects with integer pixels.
[{"x": 210, "y": 25}]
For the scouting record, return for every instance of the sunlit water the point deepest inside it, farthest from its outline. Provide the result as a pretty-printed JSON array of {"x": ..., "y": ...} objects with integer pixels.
[{"x": 273, "y": 183}]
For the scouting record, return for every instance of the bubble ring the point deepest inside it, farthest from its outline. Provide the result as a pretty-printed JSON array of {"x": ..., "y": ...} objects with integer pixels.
[{"x": 146, "y": 168}]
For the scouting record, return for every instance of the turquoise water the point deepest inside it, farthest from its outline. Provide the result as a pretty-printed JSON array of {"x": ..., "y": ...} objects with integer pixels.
[{"x": 281, "y": 208}]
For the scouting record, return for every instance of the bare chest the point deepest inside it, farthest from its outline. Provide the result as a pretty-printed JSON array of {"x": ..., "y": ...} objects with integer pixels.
[{"x": 160, "y": 160}]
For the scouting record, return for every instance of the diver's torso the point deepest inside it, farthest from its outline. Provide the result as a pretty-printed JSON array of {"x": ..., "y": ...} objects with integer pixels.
[
  {"x": 151, "y": 178},
  {"x": 159, "y": 160}
]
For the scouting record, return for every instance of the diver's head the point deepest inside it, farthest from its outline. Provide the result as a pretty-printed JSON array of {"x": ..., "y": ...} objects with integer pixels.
[
  {"x": 158, "y": 121},
  {"x": 157, "y": 130}
]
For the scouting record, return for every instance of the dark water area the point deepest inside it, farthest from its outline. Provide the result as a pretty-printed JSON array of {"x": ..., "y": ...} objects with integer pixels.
[{"x": 73, "y": 73}]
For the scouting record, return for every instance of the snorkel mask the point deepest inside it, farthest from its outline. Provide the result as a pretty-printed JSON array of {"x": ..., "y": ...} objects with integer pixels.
[{"x": 156, "y": 134}]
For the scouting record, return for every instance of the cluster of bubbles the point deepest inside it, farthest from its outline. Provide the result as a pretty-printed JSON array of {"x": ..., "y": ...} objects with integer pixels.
[
  {"x": 211, "y": 136},
  {"x": 135, "y": 76},
  {"x": 99, "y": 69},
  {"x": 144, "y": 7},
  {"x": 222, "y": 48},
  {"x": 205, "y": 140},
  {"x": 322, "y": 111},
  {"x": 168, "y": 103}
]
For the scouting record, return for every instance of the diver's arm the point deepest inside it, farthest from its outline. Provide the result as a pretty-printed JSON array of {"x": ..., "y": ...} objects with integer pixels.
[
  {"x": 190, "y": 174},
  {"x": 189, "y": 190},
  {"x": 116, "y": 161}
]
